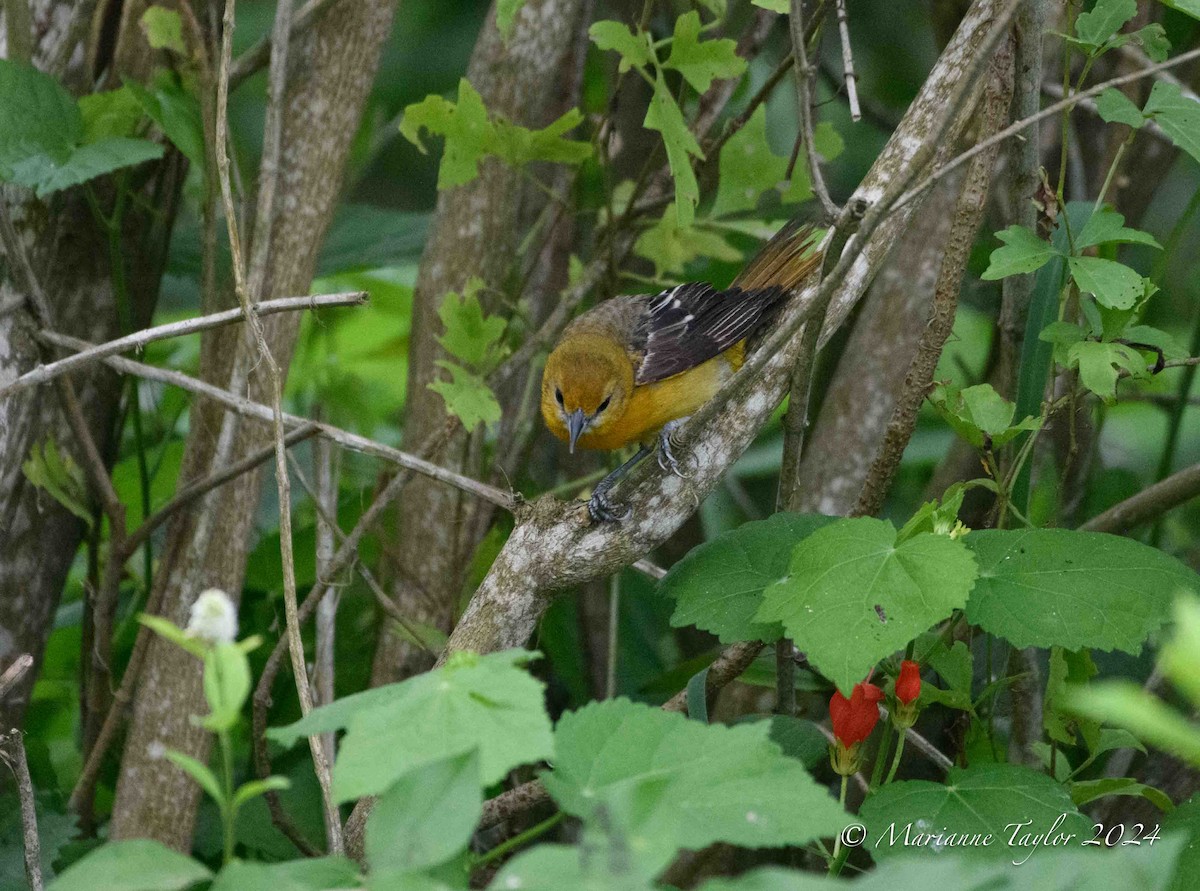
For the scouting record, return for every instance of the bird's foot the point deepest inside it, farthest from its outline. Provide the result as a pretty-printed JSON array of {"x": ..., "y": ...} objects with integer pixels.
[
  {"x": 603, "y": 510},
  {"x": 666, "y": 457}
]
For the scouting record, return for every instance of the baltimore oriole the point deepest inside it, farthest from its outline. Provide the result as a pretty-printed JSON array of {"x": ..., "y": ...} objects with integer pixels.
[{"x": 635, "y": 368}]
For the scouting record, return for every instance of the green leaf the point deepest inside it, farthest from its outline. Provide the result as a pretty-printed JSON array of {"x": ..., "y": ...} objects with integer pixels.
[
  {"x": 659, "y": 782},
  {"x": 95, "y": 159},
  {"x": 176, "y": 111},
  {"x": 1116, "y": 108},
  {"x": 315, "y": 874},
  {"x": 254, "y": 788},
  {"x": 1074, "y": 668},
  {"x": 1023, "y": 252},
  {"x": 199, "y": 772},
  {"x": 485, "y": 702},
  {"x": 1085, "y": 791},
  {"x": 506, "y": 16},
  {"x": 113, "y": 113},
  {"x": 469, "y": 334},
  {"x": 829, "y": 145},
  {"x": 467, "y": 396},
  {"x": 1105, "y": 19},
  {"x": 1178, "y": 116},
  {"x": 1184, "y": 822},
  {"x": 718, "y": 586},
  {"x": 1107, "y": 226},
  {"x": 1125, "y": 704},
  {"x": 979, "y": 414},
  {"x": 168, "y": 630},
  {"x": 634, "y": 49},
  {"x": 853, "y": 595},
  {"x": 562, "y": 867},
  {"x": 701, "y": 63},
  {"x": 59, "y": 476},
  {"x": 780, "y": 6},
  {"x": 799, "y": 739},
  {"x": 164, "y": 29},
  {"x": 1114, "y": 284},
  {"x": 519, "y": 145},
  {"x": 1189, "y": 7},
  {"x": 670, "y": 247},
  {"x": 38, "y": 118},
  {"x": 1099, "y": 363},
  {"x": 1179, "y": 659},
  {"x": 426, "y": 817},
  {"x": 747, "y": 167},
  {"x": 665, "y": 116},
  {"x": 1152, "y": 38},
  {"x": 465, "y": 126},
  {"x": 226, "y": 685},
  {"x": 132, "y": 865},
  {"x": 989, "y": 799},
  {"x": 1057, "y": 587}
]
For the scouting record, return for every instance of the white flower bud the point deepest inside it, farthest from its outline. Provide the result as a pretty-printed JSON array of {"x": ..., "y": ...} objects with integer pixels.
[{"x": 213, "y": 617}]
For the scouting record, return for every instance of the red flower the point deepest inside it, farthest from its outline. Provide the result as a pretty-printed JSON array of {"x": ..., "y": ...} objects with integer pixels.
[
  {"x": 855, "y": 718},
  {"x": 908, "y": 684}
]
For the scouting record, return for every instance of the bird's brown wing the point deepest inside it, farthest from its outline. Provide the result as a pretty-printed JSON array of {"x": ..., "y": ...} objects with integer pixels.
[{"x": 687, "y": 325}]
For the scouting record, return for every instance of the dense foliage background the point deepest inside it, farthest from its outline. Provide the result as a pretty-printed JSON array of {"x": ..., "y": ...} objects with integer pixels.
[{"x": 1016, "y": 506}]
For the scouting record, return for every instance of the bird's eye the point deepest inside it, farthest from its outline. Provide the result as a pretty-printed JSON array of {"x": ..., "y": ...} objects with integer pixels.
[
  {"x": 603, "y": 405},
  {"x": 558, "y": 395}
]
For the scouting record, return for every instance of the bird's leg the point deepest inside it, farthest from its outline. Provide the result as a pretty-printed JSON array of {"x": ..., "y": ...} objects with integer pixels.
[
  {"x": 666, "y": 458},
  {"x": 600, "y": 508}
]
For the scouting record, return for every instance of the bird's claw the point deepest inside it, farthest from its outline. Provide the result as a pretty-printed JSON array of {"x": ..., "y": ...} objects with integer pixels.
[
  {"x": 602, "y": 510},
  {"x": 666, "y": 457}
]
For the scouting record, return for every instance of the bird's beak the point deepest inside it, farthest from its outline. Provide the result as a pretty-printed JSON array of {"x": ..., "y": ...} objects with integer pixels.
[{"x": 575, "y": 422}]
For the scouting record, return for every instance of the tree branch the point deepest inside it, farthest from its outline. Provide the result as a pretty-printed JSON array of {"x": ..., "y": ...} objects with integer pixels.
[
  {"x": 15, "y": 746},
  {"x": 1149, "y": 504}
]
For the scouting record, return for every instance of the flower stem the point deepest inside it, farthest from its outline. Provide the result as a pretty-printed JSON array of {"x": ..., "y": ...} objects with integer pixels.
[
  {"x": 518, "y": 840},
  {"x": 837, "y": 845},
  {"x": 895, "y": 760}
]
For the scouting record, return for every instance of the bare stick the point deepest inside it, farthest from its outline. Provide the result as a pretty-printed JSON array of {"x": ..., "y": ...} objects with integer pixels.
[
  {"x": 1149, "y": 504},
  {"x": 804, "y": 102},
  {"x": 256, "y": 58},
  {"x": 249, "y": 408},
  {"x": 1046, "y": 112},
  {"x": 848, "y": 62},
  {"x": 15, "y": 746},
  {"x": 326, "y": 500},
  {"x": 13, "y": 674},
  {"x": 139, "y": 339}
]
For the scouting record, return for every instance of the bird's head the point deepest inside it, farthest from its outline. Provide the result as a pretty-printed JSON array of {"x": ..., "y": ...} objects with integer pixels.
[{"x": 585, "y": 387}]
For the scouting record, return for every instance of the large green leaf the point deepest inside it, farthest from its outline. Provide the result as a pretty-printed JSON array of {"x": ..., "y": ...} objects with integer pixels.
[
  {"x": 1022, "y": 252},
  {"x": 1006, "y": 801},
  {"x": 565, "y": 868},
  {"x": 317, "y": 874},
  {"x": 1114, "y": 284},
  {"x": 1178, "y": 116},
  {"x": 1185, "y": 820},
  {"x": 853, "y": 595},
  {"x": 1125, "y": 704},
  {"x": 426, "y": 817},
  {"x": 484, "y": 702},
  {"x": 656, "y": 782},
  {"x": 37, "y": 117},
  {"x": 718, "y": 586},
  {"x": 132, "y": 865},
  {"x": 702, "y": 62},
  {"x": 665, "y": 116},
  {"x": 1056, "y": 587},
  {"x": 1104, "y": 20}
]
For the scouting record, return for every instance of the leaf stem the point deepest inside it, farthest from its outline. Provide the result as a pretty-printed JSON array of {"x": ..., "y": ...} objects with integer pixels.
[{"x": 517, "y": 840}]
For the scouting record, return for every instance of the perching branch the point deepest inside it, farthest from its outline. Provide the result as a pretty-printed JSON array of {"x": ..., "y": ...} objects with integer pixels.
[
  {"x": 848, "y": 62},
  {"x": 12, "y": 751},
  {"x": 256, "y": 58},
  {"x": 804, "y": 78},
  {"x": 14, "y": 673},
  {"x": 1149, "y": 504},
  {"x": 138, "y": 340}
]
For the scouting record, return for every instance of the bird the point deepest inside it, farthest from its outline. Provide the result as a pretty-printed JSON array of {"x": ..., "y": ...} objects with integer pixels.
[{"x": 634, "y": 368}]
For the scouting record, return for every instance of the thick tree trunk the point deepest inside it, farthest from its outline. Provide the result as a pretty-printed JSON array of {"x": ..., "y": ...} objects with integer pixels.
[
  {"x": 477, "y": 231},
  {"x": 330, "y": 72},
  {"x": 66, "y": 253}
]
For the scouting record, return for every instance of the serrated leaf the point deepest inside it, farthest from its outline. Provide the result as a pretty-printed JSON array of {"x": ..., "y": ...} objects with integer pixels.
[
  {"x": 665, "y": 116},
  {"x": 1099, "y": 365},
  {"x": 467, "y": 396},
  {"x": 519, "y": 145},
  {"x": 1152, "y": 38},
  {"x": 658, "y": 782},
  {"x": 1115, "y": 107},
  {"x": 1113, "y": 284},
  {"x": 1177, "y": 115},
  {"x": 1057, "y": 587},
  {"x": 486, "y": 702},
  {"x": 426, "y": 817},
  {"x": 718, "y": 586},
  {"x": 1022, "y": 252},
  {"x": 979, "y": 414},
  {"x": 88, "y": 162},
  {"x": 131, "y": 865},
  {"x": 702, "y": 62},
  {"x": 506, "y": 16},
  {"x": 1104, "y": 20},
  {"x": 37, "y": 117},
  {"x": 1107, "y": 226},
  {"x": 305, "y": 874},
  {"x": 670, "y": 247},
  {"x": 853, "y": 595},
  {"x": 616, "y": 36},
  {"x": 465, "y": 126},
  {"x": 164, "y": 29},
  {"x": 987, "y": 799},
  {"x": 469, "y": 334}
]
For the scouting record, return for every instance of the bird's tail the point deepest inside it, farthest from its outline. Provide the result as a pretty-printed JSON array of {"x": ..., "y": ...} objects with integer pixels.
[{"x": 786, "y": 260}]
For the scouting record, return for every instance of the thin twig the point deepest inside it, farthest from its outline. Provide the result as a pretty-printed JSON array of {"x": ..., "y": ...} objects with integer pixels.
[
  {"x": 848, "y": 61},
  {"x": 13, "y": 674},
  {"x": 15, "y": 756},
  {"x": 250, "y": 409},
  {"x": 326, "y": 467},
  {"x": 1048, "y": 111},
  {"x": 256, "y": 58},
  {"x": 139, "y": 339},
  {"x": 804, "y": 78},
  {"x": 1149, "y": 504}
]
